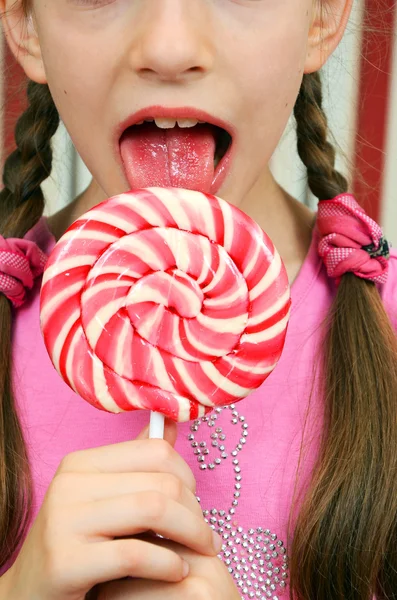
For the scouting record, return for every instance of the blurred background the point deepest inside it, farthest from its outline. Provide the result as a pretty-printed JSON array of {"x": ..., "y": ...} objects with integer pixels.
[{"x": 360, "y": 94}]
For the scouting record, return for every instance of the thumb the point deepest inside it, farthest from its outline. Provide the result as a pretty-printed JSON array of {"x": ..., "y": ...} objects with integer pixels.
[{"x": 170, "y": 432}]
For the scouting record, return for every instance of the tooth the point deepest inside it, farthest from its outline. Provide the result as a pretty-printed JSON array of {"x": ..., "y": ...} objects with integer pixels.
[
  {"x": 165, "y": 123},
  {"x": 139, "y": 123},
  {"x": 184, "y": 123},
  {"x": 149, "y": 120}
]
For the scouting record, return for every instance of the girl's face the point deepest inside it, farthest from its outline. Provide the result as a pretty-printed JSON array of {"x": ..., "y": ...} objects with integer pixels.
[{"x": 241, "y": 61}]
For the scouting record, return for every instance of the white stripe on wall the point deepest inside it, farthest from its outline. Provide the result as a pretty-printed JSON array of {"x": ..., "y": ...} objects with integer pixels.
[
  {"x": 82, "y": 176},
  {"x": 59, "y": 187},
  {"x": 389, "y": 196}
]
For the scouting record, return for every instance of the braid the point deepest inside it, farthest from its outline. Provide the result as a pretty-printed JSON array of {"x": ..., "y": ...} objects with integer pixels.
[
  {"x": 316, "y": 153},
  {"x": 22, "y": 200},
  {"x": 345, "y": 537},
  {"x": 21, "y": 206}
]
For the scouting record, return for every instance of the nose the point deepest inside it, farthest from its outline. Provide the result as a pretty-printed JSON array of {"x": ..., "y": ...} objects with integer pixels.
[{"x": 172, "y": 41}]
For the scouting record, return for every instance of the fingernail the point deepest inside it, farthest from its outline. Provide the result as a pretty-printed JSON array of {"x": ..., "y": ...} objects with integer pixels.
[
  {"x": 217, "y": 541},
  {"x": 185, "y": 569}
]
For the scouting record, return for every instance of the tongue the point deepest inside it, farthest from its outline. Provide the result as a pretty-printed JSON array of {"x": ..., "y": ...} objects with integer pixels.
[{"x": 175, "y": 157}]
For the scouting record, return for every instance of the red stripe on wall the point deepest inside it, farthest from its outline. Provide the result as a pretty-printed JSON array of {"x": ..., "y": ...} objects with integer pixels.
[{"x": 373, "y": 104}]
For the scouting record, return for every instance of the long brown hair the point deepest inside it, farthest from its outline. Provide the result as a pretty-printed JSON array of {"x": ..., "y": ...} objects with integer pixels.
[
  {"x": 345, "y": 540},
  {"x": 21, "y": 206}
]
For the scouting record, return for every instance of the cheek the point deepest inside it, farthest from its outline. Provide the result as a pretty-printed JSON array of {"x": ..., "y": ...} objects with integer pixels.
[
  {"x": 78, "y": 74},
  {"x": 80, "y": 82},
  {"x": 273, "y": 68},
  {"x": 270, "y": 77}
]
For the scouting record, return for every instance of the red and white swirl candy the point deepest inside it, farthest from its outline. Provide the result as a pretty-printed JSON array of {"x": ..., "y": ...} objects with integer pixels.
[{"x": 164, "y": 299}]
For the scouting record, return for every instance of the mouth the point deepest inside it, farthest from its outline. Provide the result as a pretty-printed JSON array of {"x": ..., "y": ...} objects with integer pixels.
[{"x": 181, "y": 148}]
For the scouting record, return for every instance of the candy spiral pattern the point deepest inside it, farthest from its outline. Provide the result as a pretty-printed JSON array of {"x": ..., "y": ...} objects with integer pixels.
[{"x": 164, "y": 299}]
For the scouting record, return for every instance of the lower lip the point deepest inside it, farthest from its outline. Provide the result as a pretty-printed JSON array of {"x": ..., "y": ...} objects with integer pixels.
[{"x": 220, "y": 174}]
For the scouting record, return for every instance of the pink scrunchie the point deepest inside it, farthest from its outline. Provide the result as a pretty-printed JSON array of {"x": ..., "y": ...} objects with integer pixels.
[
  {"x": 351, "y": 241},
  {"x": 21, "y": 261}
]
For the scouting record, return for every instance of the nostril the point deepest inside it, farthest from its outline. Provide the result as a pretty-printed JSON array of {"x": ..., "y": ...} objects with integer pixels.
[
  {"x": 170, "y": 74},
  {"x": 146, "y": 70},
  {"x": 156, "y": 60}
]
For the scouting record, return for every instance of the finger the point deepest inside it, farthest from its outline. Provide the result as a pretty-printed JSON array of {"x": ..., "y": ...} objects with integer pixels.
[
  {"x": 191, "y": 587},
  {"x": 100, "y": 486},
  {"x": 117, "y": 559},
  {"x": 170, "y": 432},
  {"x": 142, "y": 589},
  {"x": 140, "y": 456},
  {"x": 131, "y": 515}
]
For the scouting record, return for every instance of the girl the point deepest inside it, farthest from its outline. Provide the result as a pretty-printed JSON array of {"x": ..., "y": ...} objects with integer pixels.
[{"x": 297, "y": 482}]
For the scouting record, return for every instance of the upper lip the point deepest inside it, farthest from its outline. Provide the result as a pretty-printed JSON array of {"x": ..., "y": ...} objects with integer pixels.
[{"x": 186, "y": 112}]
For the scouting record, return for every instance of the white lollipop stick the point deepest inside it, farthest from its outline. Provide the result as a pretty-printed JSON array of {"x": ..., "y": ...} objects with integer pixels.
[{"x": 156, "y": 430}]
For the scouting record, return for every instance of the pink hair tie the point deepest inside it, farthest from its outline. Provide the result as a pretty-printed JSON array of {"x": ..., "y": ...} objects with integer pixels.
[
  {"x": 21, "y": 261},
  {"x": 351, "y": 241}
]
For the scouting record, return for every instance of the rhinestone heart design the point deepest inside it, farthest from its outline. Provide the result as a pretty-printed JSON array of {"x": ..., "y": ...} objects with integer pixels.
[{"x": 255, "y": 557}]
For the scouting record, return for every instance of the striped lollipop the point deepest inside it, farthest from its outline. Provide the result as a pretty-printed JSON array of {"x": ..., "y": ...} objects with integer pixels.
[{"x": 164, "y": 299}]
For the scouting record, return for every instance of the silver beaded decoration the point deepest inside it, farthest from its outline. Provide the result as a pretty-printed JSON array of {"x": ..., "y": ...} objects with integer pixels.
[{"x": 256, "y": 558}]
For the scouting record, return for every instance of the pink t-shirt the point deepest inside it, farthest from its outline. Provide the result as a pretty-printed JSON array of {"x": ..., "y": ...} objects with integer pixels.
[{"x": 244, "y": 458}]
